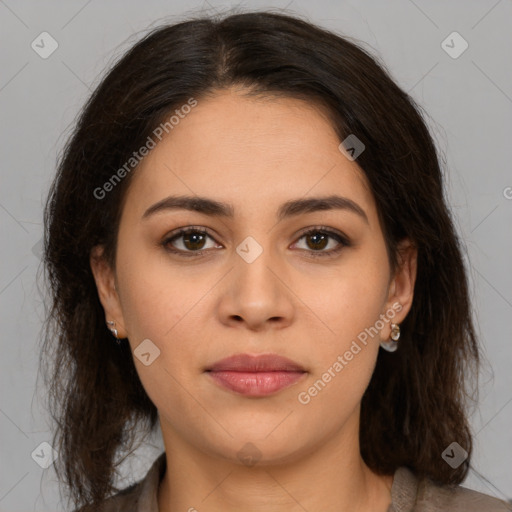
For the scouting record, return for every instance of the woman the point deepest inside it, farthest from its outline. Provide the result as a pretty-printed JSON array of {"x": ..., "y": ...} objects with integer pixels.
[{"x": 248, "y": 244}]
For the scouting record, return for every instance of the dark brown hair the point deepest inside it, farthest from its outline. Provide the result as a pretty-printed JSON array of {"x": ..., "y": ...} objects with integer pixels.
[{"x": 415, "y": 405}]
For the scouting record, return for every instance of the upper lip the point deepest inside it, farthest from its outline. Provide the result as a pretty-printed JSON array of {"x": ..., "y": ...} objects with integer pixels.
[{"x": 256, "y": 363}]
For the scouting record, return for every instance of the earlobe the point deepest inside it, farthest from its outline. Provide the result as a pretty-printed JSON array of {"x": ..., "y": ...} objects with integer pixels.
[{"x": 104, "y": 276}]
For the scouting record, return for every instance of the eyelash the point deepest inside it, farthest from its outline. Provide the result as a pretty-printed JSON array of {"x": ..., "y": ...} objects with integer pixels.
[{"x": 342, "y": 240}]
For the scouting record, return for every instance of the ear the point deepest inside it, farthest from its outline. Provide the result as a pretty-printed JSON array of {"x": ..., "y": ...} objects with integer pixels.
[
  {"x": 105, "y": 278},
  {"x": 401, "y": 286}
]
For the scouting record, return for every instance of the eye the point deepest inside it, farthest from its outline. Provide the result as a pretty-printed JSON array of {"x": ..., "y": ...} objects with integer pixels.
[
  {"x": 317, "y": 239},
  {"x": 191, "y": 240}
]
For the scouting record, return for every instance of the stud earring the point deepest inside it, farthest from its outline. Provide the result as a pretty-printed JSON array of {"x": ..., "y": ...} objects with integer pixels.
[
  {"x": 113, "y": 330},
  {"x": 392, "y": 345}
]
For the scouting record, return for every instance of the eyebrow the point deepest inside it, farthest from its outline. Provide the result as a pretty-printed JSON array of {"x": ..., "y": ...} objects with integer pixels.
[{"x": 288, "y": 209}]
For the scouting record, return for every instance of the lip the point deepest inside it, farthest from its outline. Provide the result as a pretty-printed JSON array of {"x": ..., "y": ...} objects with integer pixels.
[
  {"x": 256, "y": 376},
  {"x": 256, "y": 363}
]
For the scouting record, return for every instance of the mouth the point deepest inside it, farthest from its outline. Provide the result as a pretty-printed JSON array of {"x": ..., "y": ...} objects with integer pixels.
[{"x": 255, "y": 376}]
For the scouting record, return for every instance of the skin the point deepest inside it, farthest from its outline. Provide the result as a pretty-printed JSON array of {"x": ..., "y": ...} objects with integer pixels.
[{"x": 255, "y": 154}]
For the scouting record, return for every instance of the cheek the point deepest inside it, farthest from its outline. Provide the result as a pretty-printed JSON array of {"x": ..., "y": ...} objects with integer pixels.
[
  {"x": 160, "y": 305},
  {"x": 163, "y": 303},
  {"x": 350, "y": 299},
  {"x": 350, "y": 305},
  {"x": 343, "y": 359},
  {"x": 152, "y": 296},
  {"x": 147, "y": 302}
]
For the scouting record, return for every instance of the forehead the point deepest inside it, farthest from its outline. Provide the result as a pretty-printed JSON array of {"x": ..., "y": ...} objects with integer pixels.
[{"x": 231, "y": 145}]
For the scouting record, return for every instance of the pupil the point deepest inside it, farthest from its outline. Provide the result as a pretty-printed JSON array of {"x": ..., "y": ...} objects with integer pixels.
[
  {"x": 322, "y": 239},
  {"x": 193, "y": 239}
]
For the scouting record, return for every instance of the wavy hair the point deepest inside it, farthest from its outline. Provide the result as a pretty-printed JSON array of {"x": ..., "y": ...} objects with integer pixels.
[{"x": 415, "y": 404}]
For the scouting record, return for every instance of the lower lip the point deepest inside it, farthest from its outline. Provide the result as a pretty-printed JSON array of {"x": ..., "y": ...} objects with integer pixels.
[{"x": 256, "y": 383}]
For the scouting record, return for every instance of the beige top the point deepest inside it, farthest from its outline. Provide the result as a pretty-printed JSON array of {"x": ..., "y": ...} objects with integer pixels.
[{"x": 407, "y": 495}]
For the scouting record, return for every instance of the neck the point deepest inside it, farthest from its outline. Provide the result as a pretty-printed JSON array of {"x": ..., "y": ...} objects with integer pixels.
[{"x": 330, "y": 477}]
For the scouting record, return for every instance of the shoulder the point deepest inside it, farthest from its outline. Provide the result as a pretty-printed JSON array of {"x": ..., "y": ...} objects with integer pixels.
[
  {"x": 126, "y": 500},
  {"x": 413, "y": 495},
  {"x": 457, "y": 498},
  {"x": 138, "y": 497}
]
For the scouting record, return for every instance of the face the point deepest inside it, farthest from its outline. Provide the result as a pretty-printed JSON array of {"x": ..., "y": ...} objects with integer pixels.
[{"x": 299, "y": 282}]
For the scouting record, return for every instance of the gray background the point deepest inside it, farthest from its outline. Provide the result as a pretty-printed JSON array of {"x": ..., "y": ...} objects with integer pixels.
[{"x": 469, "y": 103}]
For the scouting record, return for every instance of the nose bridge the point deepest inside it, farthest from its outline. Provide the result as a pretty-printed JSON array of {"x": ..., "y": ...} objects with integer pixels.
[
  {"x": 256, "y": 293},
  {"x": 253, "y": 274},
  {"x": 255, "y": 249}
]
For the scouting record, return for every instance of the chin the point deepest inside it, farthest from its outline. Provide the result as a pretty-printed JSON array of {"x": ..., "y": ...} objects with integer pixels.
[{"x": 259, "y": 450}]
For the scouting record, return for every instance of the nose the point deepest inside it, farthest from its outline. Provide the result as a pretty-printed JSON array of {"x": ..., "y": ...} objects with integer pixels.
[{"x": 257, "y": 295}]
